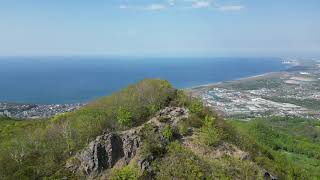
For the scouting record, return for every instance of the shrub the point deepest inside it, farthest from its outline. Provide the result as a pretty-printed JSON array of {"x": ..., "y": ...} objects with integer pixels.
[
  {"x": 182, "y": 99},
  {"x": 183, "y": 128},
  {"x": 210, "y": 136},
  {"x": 126, "y": 173},
  {"x": 180, "y": 163},
  {"x": 209, "y": 121},
  {"x": 209, "y": 133},
  {"x": 124, "y": 116},
  {"x": 152, "y": 148},
  {"x": 196, "y": 107},
  {"x": 151, "y": 142},
  {"x": 194, "y": 121},
  {"x": 167, "y": 132}
]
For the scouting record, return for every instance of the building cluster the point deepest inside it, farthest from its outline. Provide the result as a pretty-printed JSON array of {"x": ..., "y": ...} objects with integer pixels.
[
  {"x": 248, "y": 104},
  {"x": 297, "y": 94},
  {"x": 32, "y": 111}
]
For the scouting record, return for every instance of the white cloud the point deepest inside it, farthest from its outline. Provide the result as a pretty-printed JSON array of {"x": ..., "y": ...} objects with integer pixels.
[
  {"x": 231, "y": 8},
  {"x": 171, "y": 2},
  {"x": 184, "y": 4},
  {"x": 201, "y": 4},
  {"x": 151, "y": 7},
  {"x": 155, "y": 7},
  {"x": 123, "y": 6}
]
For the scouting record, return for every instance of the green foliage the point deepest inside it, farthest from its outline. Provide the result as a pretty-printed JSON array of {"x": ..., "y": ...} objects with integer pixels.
[
  {"x": 152, "y": 145},
  {"x": 180, "y": 163},
  {"x": 183, "y": 128},
  {"x": 269, "y": 83},
  {"x": 194, "y": 121},
  {"x": 289, "y": 146},
  {"x": 309, "y": 103},
  {"x": 35, "y": 149},
  {"x": 126, "y": 173},
  {"x": 182, "y": 99},
  {"x": 209, "y": 133},
  {"x": 196, "y": 107},
  {"x": 209, "y": 121},
  {"x": 167, "y": 132},
  {"x": 231, "y": 168},
  {"x": 124, "y": 116}
]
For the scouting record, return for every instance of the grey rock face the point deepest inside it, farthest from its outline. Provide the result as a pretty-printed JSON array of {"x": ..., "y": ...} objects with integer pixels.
[
  {"x": 102, "y": 153},
  {"x": 131, "y": 143}
]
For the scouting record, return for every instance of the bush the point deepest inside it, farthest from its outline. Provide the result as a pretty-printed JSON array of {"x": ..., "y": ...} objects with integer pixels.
[
  {"x": 152, "y": 145},
  {"x": 124, "y": 116},
  {"x": 196, "y": 107},
  {"x": 183, "y": 128},
  {"x": 194, "y": 121},
  {"x": 209, "y": 133},
  {"x": 182, "y": 99},
  {"x": 180, "y": 163},
  {"x": 167, "y": 132},
  {"x": 210, "y": 136},
  {"x": 126, "y": 173}
]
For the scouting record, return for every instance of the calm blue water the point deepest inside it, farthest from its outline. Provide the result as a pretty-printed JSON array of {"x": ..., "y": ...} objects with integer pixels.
[{"x": 70, "y": 80}]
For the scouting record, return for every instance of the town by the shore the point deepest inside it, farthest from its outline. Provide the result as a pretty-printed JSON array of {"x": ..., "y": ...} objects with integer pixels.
[
  {"x": 34, "y": 111},
  {"x": 294, "y": 92}
]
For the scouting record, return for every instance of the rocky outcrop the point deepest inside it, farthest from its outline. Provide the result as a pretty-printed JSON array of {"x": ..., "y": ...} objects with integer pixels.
[
  {"x": 102, "y": 153},
  {"x": 173, "y": 115},
  {"x": 145, "y": 165},
  {"x": 131, "y": 143},
  {"x": 108, "y": 149}
]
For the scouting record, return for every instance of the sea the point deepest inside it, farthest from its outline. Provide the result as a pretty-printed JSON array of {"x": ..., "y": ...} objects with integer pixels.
[{"x": 64, "y": 80}]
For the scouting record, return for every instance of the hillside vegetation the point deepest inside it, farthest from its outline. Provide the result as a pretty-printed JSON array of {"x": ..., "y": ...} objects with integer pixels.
[
  {"x": 296, "y": 139},
  {"x": 216, "y": 149}
]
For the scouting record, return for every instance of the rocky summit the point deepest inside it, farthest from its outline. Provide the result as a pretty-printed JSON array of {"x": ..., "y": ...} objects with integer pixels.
[{"x": 121, "y": 147}]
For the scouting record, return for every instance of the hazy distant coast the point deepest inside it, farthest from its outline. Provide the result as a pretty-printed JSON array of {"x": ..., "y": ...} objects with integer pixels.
[
  {"x": 33, "y": 111},
  {"x": 249, "y": 78},
  {"x": 275, "y": 74}
]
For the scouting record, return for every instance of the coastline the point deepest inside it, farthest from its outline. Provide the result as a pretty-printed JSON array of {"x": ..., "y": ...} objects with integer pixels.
[
  {"x": 249, "y": 78},
  {"x": 291, "y": 63}
]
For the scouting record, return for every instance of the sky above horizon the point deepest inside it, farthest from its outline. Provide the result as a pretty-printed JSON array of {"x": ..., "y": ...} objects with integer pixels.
[{"x": 160, "y": 27}]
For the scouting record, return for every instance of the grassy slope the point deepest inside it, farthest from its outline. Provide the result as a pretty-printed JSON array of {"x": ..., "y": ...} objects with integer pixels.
[
  {"x": 36, "y": 149},
  {"x": 295, "y": 138}
]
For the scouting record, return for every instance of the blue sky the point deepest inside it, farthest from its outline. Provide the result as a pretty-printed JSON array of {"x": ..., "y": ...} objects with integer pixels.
[{"x": 160, "y": 27}]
